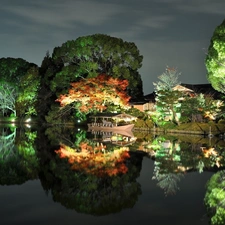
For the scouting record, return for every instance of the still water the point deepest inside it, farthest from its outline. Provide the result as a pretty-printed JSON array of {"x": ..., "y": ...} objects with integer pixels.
[{"x": 164, "y": 186}]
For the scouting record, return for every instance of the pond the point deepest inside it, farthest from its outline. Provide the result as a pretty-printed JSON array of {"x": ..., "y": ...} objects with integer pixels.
[{"x": 64, "y": 175}]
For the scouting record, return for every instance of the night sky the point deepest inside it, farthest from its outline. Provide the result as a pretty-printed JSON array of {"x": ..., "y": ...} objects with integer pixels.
[{"x": 174, "y": 33}]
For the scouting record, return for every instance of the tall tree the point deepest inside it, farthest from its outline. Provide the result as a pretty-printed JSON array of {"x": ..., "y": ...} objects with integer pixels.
[
  {"x": 167, "y": 99},
  {"x": 89, "y": 56},
  {"x": 215, "y": 59}
]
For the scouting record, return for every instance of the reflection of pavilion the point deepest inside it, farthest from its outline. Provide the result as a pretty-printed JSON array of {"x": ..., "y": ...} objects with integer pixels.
[
  {"x": 121, "y": 138},
  {"x": 111, "y": 122}
]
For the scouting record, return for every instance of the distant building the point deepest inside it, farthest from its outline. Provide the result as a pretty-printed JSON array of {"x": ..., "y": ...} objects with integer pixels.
[
  {"x": 205, "y": 89},
  {"x": 148, "y": 102},
  {"x": 145, "y": 104}
]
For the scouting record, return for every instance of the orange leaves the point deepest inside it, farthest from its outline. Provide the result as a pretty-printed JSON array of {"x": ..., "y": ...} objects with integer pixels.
[
  {"x": 94, "y": 93},
  {"x": 93, "y": 160}
]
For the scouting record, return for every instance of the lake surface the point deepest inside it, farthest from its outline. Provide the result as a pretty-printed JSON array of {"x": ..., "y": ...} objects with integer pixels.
[{"x": 39, "y": 187}]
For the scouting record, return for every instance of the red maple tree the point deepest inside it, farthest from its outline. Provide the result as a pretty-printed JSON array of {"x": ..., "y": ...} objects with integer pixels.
[{"x": 96, "y": 93}]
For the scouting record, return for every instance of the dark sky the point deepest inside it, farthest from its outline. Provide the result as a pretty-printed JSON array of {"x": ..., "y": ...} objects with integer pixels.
[{"x": 174, "y": 33}]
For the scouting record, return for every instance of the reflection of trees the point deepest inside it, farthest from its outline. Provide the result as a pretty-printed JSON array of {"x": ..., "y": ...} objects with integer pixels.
[
  {"x": 62, "y": 134},
  {"x": 96, "y": 160},
  {"x": 7, "y": 140},
  {"x": 179, "y": 156},
  {"x": 99, "y": 195},
  {"x": 205, "y": 158},
  {"x": 167, "y": 180},
  {"x": 18, "y": 162},
  {"x": 167, "y": 157},
  {"x": 172, "y": 158},
  {"x": 87, "y": 188},
  {"x": 215, "y": 198},
  {"x": 168, "y": 166}
]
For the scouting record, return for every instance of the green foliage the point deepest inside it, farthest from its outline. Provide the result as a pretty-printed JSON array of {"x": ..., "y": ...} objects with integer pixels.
[
  {"x": 215, "y": 59},
  {"x": 190, "y": 106},
  {"x": 13, "y": 69},
  {"x": 18, "y": 160},
  {"x": 168, "y": 125},
  {"x": 55, "y": 115},
  {"x": 214, "y": 198},
  {"x": 168, "y": 104},
  {"x": 27, "y": 98},
  {"x": 136, "y": 112},
  {"x": 221, "y": 121},
  {"x": 140, "y": 123}
]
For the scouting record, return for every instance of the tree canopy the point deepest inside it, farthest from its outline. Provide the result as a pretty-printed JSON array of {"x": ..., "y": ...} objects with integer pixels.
[
  {"x": 89, "y": 56},
  {"x": 215, "y": 59},
  {"x": 12, "y": 69}
]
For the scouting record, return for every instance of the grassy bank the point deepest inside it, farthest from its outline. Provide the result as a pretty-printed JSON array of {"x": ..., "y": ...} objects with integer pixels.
[{"x": 187, "y": 128}]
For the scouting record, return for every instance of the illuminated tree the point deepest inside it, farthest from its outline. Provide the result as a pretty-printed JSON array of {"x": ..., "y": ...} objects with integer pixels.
[
  {"x": 88, "y": 56},
  {"x": 94, "y": 94},
  {"x": 214, "y": 198},
  {"x": 27, "y": 98},
  {"x": 199, "y": 106},
  {"x": 83, "y": 58},
  {"x": 167, "y": 99},
  {"x": 12, "y": 71},
  {"x": 215, "y": 59},
  {"x": 8, "y": 95}
]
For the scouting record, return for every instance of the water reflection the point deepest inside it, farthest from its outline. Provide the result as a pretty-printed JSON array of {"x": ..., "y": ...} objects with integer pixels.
[
  {"x": 90, "y": 189},
  {"x": 97, "y": 173},
  {"x": 18, "y": 160},
  {"x": 91, "y": 176}
]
